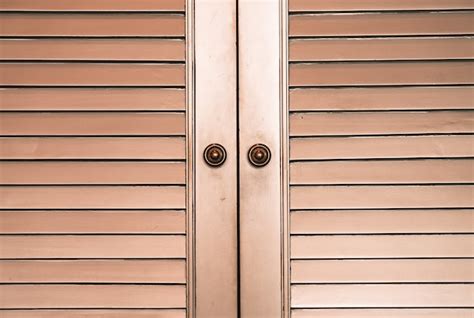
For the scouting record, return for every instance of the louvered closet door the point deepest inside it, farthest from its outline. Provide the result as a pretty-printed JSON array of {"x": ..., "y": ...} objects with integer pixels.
[
  {"x": 93, "y": 140},
  {"x": 381, "y": 170}
]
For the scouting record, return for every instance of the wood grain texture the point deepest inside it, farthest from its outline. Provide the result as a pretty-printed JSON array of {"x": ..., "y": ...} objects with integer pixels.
[
  {"x": 382, "y": 147},
  {"x": 377, "y": 313},
  {"x": 91, "y": 99},
  {"x": 153, "y": 173},
  {"x": 94, "y": 271},
  {"x": 320, "y": 124},
  {"x": 90, "y": 313},
  {"x": 103, "y": 222},
  {"x": 92, "y": 197},
  {"x": 382, "y": 172},
  {"x": 375, "y": 74},
  {"x": 92, "y": 246},
  {"x": 380, "y": 271},
  {"x": 381, "y": 24},
  {"x": 92, "y": 148},
  {"x": 375, "y": 5},
  {"x": 93, "y": 74},
  {"x": 381, "y": 49},
  {"x": 99, "y": 49},
  {"x": 90, "y": 296},
  {"x": 116, "y": 25},
  {"x": 381, "y": 98},
  {"x": 96, "y": 123},
  {"x": 429, "y": 295},
  {"x": 381, "y": 246},
  {"x": 97, "y": 5},
  {"x": 379, "y": 197},
  {"x": 382, "y": 221}
]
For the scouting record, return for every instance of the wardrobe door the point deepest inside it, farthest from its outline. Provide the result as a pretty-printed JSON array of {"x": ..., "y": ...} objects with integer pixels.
[
  {"x": 93, "y": 143},
  {"x": 381, "y": 170}
]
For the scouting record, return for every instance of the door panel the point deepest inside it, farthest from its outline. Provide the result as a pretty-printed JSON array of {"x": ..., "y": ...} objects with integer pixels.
[
  {"x": 94, "y": 175},
  {"x": 380, "y": 102}
]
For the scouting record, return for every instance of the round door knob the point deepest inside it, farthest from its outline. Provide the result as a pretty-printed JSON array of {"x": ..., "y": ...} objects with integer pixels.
[
  {"x": 259, "y": 155},
  {"x": 215, "y": 155}
]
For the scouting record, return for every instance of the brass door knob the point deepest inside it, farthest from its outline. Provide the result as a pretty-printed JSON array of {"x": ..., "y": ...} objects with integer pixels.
[
  {"x": 259, "y": 155},
  {"x": 215, "y": 155}
]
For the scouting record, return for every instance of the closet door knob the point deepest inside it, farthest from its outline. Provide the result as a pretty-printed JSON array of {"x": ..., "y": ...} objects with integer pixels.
[
  {"x": 215, "y": 155},
  {"x": 259, "y": 155}
]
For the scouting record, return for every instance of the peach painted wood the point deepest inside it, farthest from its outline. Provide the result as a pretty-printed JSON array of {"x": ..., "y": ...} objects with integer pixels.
[
  {"x": 403, "y": 98},
  {"x": 99, "y": 49},
  {"x": 92, "y": 197},
  {"x": 318, "y": 124},
  {"x": 91, "y": 74},
  {"x": 92, "y": 173},
  {"x": 380, "y": 271},
  {"x": 377, "y": 313},
  {"x": 375, "y": 74},
  {"x": 92, "y": 296},
  {"x": 381, "y": 49},
  {"x": 92, "y": 246},
  {"x": 97, "y": 5},
  {"x": 382, "y": 221},
  {"x": 381, "y": 246},
  {"x": 382, "y": 172},
  {"x": 379, "y": 197},
  {"x": 429, "y": 295},
  {"x": 94, "y": 222},
  {"x": 93, "y": 271},
  {"x": 96, "y": 313},
  {"x": 376, "y": 5},
  {"x": 85, "y": 99},
  {"x": 381, "y": 24},
  {"x": 97, "y": 123},
  {"x": 116, "y": 25},
  {"x": 92, "y": 148},
  {"x": 382, "y": 147}
]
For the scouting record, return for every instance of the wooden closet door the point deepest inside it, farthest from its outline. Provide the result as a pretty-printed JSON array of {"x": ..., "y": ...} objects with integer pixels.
[
  {"x": 381, "y": 170},
  {"x": 93, "y": 146}
]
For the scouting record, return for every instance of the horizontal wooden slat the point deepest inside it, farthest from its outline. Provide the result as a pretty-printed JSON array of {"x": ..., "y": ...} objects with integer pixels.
[
  {"x": 99, "y": 49},
  {"x": 377, "y": 313},
  {"x": 382, "y": 147},
  {"x": 84, "y": 99},
  {"x": 90, "y": 197},
  {"x": 92, "y": 173},
  {"x": 76, "y": 222},
  {"x": 87, "y": 74},
  {"x": 92, "y": 246},
  {"x": 385, "y": 123},
  {"x": 381, "y": 98},
  {"x": 96, "y": 123},
  {"x": 90, "y": 296},
  {"x": 88, "y": 313},
  {"x": 381, "y": 24},
  {"x": 97, "y": 5},
  {"x": 381, "y": 246},
  {"x": 381, "y": 49},
  {"x": 376, "y": 5},
  {"x": 93, "y": 271},
  {"x": 382, "y": 172},
  {"x": 375, "y": 74},
  {"x": 377, "y": 271},
  {"x": 115, "y": 25},
  {"x": 92, "y": 148},
  {"x": 340, "y": 197},
  {"x": 349, "y": 296},
  {"x": 382, "y": 221}
]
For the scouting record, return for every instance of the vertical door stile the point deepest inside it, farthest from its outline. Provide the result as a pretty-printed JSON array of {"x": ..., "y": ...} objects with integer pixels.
[
  {"x": 215, "y": 187},
  {"x": 260, "y": 122}
]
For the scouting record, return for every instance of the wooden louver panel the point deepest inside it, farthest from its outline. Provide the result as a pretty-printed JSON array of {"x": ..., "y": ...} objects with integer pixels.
[
  {"x": 381, "y": 148},
  {"x": 93, "y": 171}
]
